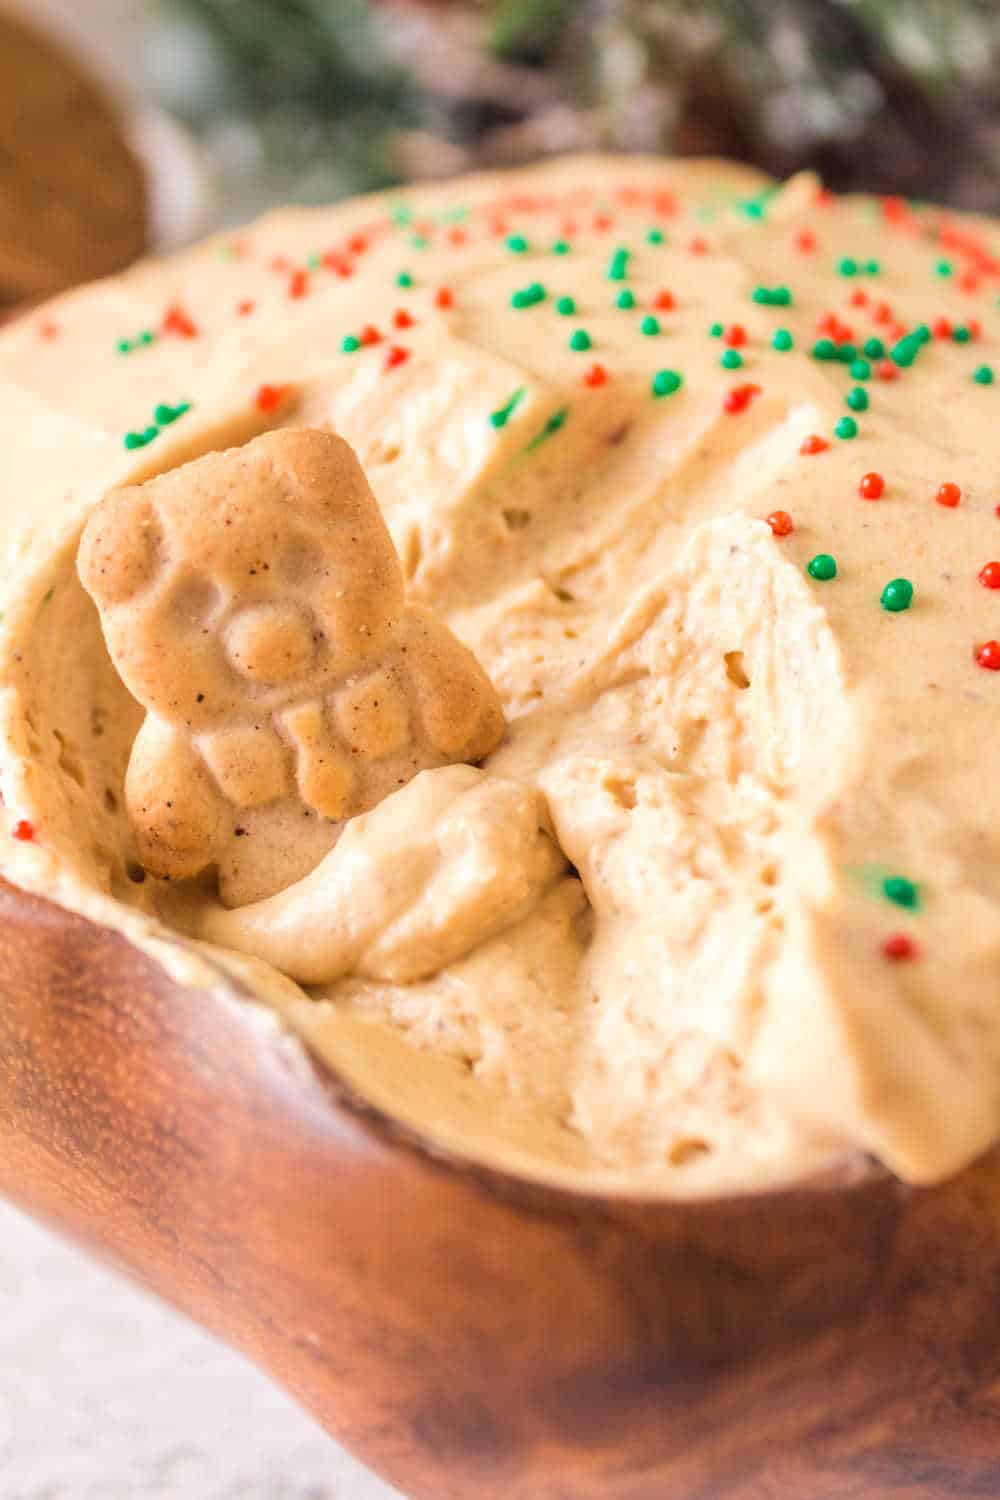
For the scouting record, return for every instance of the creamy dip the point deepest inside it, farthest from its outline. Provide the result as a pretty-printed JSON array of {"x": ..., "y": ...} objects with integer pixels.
[{"x": 653, "y": 438}]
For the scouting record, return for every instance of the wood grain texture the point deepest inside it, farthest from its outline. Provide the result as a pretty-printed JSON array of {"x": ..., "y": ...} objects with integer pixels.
[{"x": 470, "y": 1336}]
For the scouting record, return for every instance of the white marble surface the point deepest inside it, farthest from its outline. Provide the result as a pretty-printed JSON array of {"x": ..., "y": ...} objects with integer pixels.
[{"x": 107, "y": 1395}]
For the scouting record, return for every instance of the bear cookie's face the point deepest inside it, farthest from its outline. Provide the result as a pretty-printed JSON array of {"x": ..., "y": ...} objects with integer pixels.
[{"x": 251, "y": 580}]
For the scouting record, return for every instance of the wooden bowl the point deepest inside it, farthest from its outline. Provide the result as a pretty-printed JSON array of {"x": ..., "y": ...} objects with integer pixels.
[{"x": 467, "y": 1334}]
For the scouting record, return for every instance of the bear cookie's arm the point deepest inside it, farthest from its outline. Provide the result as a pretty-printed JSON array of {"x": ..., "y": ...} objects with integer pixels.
[
  {"x": 459, "y": 712},
  {"x": 177, "y": 814}
]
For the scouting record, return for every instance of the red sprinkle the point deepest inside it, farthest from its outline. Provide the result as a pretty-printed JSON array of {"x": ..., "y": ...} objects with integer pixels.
[
  {"x": 975, "y": 328},
  {"x": 988, "y": 656},
  {"x": 698, "y": 245},
  {"x": 948, "y": 495},
  {"x": 805, "y": 241},
  {"x": 23, "y": 830},
  {"x": 735, "y": 335},
  {"x": 444, "y": 297},
  {"x": 395, "y": 355},
  {"x": 269, "y": 397},
  {"x": 859, "y": 297},
  {"x": 738, "y": 398},
  {"x": 369, "y": 335},
  {"x": 882, "y": 312},
  {"x": 357, "y": 244},
  {"x": 603, "y": 221},
  {"x": 596, "y": 375},
  {"x": 968, "y": 281},
  {"x": 941, "y": 328},
  {"x": 899, "y": 947},
  {"x": 48, "y": 330},
  {"x": 781, "y": 523},
  {"x": 298, "y": 283},
  {"x": 871, "y": 486},
  {"x": 402, "y": 319},
  {"x": 814, "y": 444},
  {"x": 278, "y": 263},
  {"x": 457, "y": 235},
  {"x": 825, "y": 197},
  {"x": 664, "y": 302},
  {"x": 245, "y": 307},
  {"x": 989, "y": 576},
  {"x": 887, "y": 370},
  {"x": 176, "y": 320},
  {"x": 338, "y": 264}
]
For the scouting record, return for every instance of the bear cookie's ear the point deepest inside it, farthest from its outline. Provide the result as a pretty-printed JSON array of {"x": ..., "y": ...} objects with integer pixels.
[{"x": 122, "y": 548}]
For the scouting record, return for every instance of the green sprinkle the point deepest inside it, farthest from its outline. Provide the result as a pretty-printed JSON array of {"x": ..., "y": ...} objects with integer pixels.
[
  {"x": 655, "y": 237},
  {"x": 822, "y": 567},
  {"x": 716, "y": 330},
  {"x": 922, "y": 333},
  {"x": 846, "y": 428},
  {"x": 873, "y": 267},
  {"x": 666, "y": 382},
  {"x": 517, "y": 243},
  {"x": 857, "y": 399},
  {"x": 983, "y": 374},
  {"x": 314, "y": 261},
  {"x": 732, "y": 359},
  {"x": 771, "y": 296},
  {"x": 580, "y": 340},
  {"x": 349, "y": 344},
  {"x": 418, "y": 241},
  {"x": 846, "y": 353},
  {"x": 897, "y": 595},
  {"x": 404, "y": 279},
  {"x": 123, "y": 346},
  {"x": 560, "y": 247},
  {"x": 139, "y": 439},
  {"x": 402, "y": 213},
  {"x": 847, "y": 266},
  {"x": 824, "y": 349},
  {"x": 860, "y": 369},
  {"x": 146, "y": 337},
  {"x": 529, "y": 295},
  {"x": 874, "y": 348},
  {"x": 944, "y": 268},
  {"x": 961, "y": 334},
  {"x": 906, "y": 351},
  {"x": 649, "y": 325},
  {"x": 618, "y": 267},
  {"x": 163, "y": 414},
  {"x": 551, "y": 426},
  {"x": 565, "y": 306},
  {"x": 502, "y": 415},
  {"x": 782, "y": 340},
  {"x": 625, "y": 299},
  {"x": 901, "y": 892}
]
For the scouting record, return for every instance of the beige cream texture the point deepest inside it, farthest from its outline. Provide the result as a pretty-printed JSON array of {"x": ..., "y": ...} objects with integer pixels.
[
  {"x": 729, "y": 754},
  {"x": 252, "y": 602}
]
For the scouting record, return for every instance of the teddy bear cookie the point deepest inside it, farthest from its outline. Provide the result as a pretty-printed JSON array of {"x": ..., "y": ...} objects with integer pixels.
[{"x": 253, "y": 603}]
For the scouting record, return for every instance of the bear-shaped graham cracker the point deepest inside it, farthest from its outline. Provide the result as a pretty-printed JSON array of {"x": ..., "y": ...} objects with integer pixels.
[{"x": 253, "y": 603}]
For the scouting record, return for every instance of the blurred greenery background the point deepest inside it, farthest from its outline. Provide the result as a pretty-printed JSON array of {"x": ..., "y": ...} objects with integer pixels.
[{"x": 311, "y": 99}]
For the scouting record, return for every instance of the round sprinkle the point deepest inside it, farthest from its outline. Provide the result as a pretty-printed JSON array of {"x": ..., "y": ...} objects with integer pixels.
[
  {"x": 655, "y": 237},
  {"x": 988, "y": 656},
  {"x": 269, "y": 397},
  {"x": 517, "y": 243},
  {"x": 824, "y": 349},
  {"x": 872, "y": 486},
  {"x": 846, "y": 427},
  {"x": 595, "y": 376},
  {"x": 857, "y": 399},
  {"x": 580, "y": 340},
  {"x": 625, "y": 299},
  {"x": 527, "y": 296},
  {"x": 860, "y": 370},
  {"x": 649, "y": 325},
  {"x": 901, "y": 892},
  {"x": 989, "y": 576},
  {"x": 23, "y": 831},
  {"x": 716, "y": 330},
  {"x": 444, "y": 297},
  {"x": 560, "y": 247},
  {"x": 813, "y": 444},
  {"x": 943, "y": 268},
  {"x": 781, "y": 523},
  {"x": 983, "y": 374},
  {"x": 349, "y": 344},
  {"x": 847, "y": 266},
  {"x": 874, "y": 348},
  {"x": 664, "y": 301},
  {"x": 948, "y": 495},
  {"x": 782, "y": 340},
  {"x": 873, "y": 267},
  {"x": 961, "y": 334},
  {"x": 822, "y": 567},
  {"x": 666, "y": 382},
  {"x": 565, "y": 306},
  {"x": 404, "y": 279},
  {"x": 124, "y": 346},
  {"x": 897, "y": 595},
  {"x": 732, "y": 359},
  {"x": 738, "y": 398},
  {"x": 899, "y": 947},
  {"x": 735, "y": 335}
]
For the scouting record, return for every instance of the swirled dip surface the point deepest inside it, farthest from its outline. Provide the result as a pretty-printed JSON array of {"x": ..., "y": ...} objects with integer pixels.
[{"x": 653, "y": 438}]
